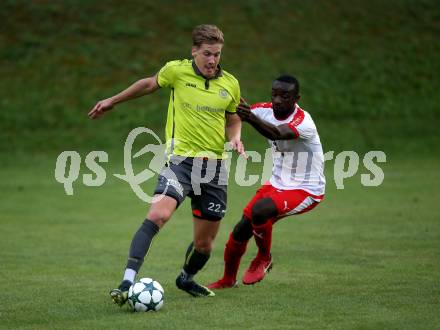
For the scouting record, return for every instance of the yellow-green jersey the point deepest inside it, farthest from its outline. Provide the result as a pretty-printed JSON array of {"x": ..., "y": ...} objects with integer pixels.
[{"x": 197, "y": 109}]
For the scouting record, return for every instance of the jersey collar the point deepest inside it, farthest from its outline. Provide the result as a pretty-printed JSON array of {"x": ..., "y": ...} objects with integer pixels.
[{"x": 218, "y": 73}]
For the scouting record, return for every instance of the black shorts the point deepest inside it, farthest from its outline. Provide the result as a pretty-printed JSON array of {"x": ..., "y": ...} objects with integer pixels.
[{"x": 203, "y": 180}]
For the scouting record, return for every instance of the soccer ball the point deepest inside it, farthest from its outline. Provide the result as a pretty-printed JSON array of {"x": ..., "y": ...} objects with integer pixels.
[{"x": 145, "y": 295}]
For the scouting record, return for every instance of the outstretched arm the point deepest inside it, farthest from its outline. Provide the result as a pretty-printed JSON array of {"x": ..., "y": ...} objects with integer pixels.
[
  {"x": 139, "y": 88},
  {"x": 270, "y": 131}
]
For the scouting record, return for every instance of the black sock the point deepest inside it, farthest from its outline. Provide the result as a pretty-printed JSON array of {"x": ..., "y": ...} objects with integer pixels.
[
  {"x": 125, "y": 285},
  {"x": 140, "y": 244},
  {"x": 194, "y": 261}
]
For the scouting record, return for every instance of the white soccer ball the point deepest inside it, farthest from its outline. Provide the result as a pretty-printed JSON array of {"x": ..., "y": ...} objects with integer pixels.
[{"x": 146, "y": 295}]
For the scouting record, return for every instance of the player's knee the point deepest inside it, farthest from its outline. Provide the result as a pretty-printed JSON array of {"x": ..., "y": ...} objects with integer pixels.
[
  {"x": 159, "y": 216},
  {"x": 203, "y": 245},
  {"x": 262, "y": 211}
]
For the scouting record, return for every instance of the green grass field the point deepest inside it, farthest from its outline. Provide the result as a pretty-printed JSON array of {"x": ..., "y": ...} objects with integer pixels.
[{"x": 367, "y": 258}]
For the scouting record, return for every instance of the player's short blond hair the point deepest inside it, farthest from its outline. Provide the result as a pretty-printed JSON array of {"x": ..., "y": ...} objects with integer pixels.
[{"x": 207, "y": 34}]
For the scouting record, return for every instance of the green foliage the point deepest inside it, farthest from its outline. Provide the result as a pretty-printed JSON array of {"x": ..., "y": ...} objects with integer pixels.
[{"x": 369, "y": 59}]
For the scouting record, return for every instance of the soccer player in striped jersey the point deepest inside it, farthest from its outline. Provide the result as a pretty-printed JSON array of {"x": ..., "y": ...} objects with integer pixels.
[{"x": 296, "y": 186}]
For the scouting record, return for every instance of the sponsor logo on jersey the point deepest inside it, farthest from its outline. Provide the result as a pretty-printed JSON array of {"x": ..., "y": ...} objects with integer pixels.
[
  {"x": 190, "y": 85},
  {"x": 208, "y": 108}
]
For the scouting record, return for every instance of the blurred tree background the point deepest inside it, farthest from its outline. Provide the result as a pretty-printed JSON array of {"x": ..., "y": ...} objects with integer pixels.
[{"x": 369, "y": 70}]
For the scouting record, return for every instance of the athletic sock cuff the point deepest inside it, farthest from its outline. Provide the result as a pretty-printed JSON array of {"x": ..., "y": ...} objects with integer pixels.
[
  {"x": 195, "y": 261},
  {"x": 149, "y": 226},
  {"x": 235, "y": 241}
]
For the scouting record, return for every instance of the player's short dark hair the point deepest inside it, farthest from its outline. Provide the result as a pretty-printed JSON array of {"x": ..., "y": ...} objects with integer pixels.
[
  {"x": 207, "y": 34},
  {"x": 290, "y": 80}
]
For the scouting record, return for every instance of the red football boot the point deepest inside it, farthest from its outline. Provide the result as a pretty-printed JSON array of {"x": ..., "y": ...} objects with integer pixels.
[
  {"x": 222, "y": 284},
  {"x": 257, "y": 270}
]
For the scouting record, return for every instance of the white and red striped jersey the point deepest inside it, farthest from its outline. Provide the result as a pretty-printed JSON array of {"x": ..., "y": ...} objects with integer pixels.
[{"x": 297, "y": 163}]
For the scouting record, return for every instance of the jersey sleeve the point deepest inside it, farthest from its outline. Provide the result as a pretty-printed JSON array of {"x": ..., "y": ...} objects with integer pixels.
[
  {"x": 235, "y": 94},
  {"x": 259, "y": 109},
  {"x": 303, "y": 125},
  {"x": 167, "y": 74}
]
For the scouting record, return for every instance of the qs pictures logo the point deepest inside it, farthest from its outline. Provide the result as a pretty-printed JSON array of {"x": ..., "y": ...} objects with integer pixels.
[{"x": 92, "y": 160}]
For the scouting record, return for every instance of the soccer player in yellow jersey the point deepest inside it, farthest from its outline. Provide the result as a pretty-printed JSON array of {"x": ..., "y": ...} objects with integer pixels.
[{"x": 201, "y": 112}]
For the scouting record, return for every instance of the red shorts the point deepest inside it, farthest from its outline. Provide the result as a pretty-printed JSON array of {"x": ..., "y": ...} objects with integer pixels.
[{"x": 288, "y": 202}]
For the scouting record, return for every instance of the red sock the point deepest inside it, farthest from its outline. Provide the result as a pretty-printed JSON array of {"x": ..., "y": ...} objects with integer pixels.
[
  {"x": 263, "y": 238},
  {"x": 234, "y": 250}
]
